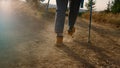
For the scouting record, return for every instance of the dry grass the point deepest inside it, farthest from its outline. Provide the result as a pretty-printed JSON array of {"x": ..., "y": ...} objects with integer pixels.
[
  {"x": 104, "y": 18},
  {"x": 52, "y": 12}
]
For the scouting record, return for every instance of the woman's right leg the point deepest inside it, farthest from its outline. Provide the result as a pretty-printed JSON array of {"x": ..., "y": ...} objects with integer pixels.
[
  {"x": 60, "y": 20},
  {"x": 60, "y": 15}
]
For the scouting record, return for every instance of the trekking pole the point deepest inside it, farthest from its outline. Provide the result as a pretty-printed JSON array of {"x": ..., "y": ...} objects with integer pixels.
[
  {"x": 89, "y": 35},
  {"x": 48, "y": 5}
]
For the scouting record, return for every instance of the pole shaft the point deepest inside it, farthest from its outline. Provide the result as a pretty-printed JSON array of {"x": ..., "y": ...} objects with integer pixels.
[
  {"x": 89, "y": 36},
  {"x": 48, "y": 5}
]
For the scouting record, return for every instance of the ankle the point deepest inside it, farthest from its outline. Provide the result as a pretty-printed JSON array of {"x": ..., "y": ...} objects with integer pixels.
[
  {"x": 71, "y": 27},
  {"x": 59, "y": 40},
  {"x": 59, "y": 34}
]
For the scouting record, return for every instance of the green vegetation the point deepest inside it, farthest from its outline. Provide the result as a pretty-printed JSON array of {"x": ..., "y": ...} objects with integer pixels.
[
  {"x": 108, "y": 7},
  {"x": 115, "y": 8},
  {"x": 87, "y": 4}
]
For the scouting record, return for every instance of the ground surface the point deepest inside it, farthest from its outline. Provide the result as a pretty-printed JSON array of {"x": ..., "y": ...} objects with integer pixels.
[{"x": 27, "y": 41}]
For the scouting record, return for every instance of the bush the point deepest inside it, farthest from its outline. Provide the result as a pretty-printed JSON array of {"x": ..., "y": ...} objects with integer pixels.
[{"x": 115, "y": 6}]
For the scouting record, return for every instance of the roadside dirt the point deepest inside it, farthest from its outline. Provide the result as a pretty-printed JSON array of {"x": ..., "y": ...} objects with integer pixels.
[{"x": 34, "y": 41}]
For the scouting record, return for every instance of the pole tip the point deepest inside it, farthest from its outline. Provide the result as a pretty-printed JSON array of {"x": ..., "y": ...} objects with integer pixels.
[{"x": 89, "y": 41}]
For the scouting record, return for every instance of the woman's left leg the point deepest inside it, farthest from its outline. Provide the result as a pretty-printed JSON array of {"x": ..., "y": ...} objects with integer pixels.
[{"x": 74, "y": 10}]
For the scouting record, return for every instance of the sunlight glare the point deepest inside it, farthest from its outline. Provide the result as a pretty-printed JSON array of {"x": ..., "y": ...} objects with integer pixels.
[{"x": 5, "y": 5}]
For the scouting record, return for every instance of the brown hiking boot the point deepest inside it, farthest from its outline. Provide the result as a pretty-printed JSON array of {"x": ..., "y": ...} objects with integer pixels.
[
  {"x": 71, "y": 31},
  {"x": 59, "y": 41}
]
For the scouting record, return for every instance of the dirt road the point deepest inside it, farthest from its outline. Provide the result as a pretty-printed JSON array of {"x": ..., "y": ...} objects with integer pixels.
[{"x": 27, "y": 41}]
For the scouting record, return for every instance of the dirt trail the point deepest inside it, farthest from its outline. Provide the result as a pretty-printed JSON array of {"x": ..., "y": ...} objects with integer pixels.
[{"x": 33, "y": 43}]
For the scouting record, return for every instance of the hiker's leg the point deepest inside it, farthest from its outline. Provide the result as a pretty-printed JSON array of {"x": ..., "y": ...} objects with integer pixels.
[
  {"x": 60, "y": 15},
  {"x": 60, "y": 20},
  {"x": 74, "y": 9}
]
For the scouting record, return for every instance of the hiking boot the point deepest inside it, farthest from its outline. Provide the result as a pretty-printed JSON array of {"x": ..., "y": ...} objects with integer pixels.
[
  {"x": 71, "y": 31},
  {"x": 59, "y": 41}
]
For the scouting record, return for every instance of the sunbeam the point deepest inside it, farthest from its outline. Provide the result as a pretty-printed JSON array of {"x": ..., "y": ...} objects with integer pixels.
[{"x": 5, "y": 6}]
